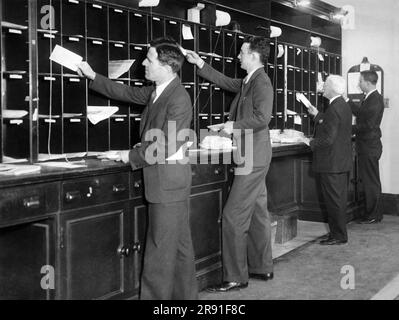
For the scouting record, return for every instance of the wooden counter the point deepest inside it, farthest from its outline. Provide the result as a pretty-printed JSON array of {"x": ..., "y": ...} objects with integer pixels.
[{"x": 89, "y": 223}]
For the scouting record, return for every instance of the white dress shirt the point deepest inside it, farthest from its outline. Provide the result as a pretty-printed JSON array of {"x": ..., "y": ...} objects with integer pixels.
[
  {"x": 159, "y": 89},
  {"x": 336, "y": 97},
  {"x": 367, "y": 95},
  {"x": 249, "y": 75}
]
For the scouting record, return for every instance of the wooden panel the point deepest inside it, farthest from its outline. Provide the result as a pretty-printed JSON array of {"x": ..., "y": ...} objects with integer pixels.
[
  {"x": 140, "y": 232},
  {"x": 27, "y": 202},
  {"x": 24, "y": 250},
  {"x": 96, "y": 190},
  {"x": 208, "y": 173},
  {"x": 310, "y": 191},
  {"x": 205, "y": 211},
  {"x": 281, "y": 184},
  {"x": 92, "y": 266}
]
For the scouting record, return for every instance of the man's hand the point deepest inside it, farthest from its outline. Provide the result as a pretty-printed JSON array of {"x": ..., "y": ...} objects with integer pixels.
[
  {"x": 123, "y": 156},
  {"x": 84, "y": 70},
  {"x": 313, "y": 111},
  {"x": 228, "y": 127},
  {"x": 194, "y": 58},
  {"x": 306, "y": 141}
]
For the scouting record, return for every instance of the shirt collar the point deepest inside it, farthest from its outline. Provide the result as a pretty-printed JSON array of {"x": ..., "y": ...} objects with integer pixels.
[
  {"x": 335, "y": 98},
  {"x": 159, "y": 89},
  {"x": 246, "y": 79},
  {"x": 369, "y": 93}
]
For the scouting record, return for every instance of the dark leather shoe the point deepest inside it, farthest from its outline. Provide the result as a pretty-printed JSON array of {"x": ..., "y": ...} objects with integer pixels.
[
  {"x": 228, "y": 286},
  {"x": 325, "y": 237},
  {"x": 262, "y": 276},
  {"x": 332, "y": 241},
  {"x": 370, "y": 221}
]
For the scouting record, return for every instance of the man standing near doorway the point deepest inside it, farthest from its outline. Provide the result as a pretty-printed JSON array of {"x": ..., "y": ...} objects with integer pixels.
[{"x": 368, "y": 143}]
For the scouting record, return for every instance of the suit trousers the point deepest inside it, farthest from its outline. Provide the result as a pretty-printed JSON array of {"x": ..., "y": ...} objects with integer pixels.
[
  {"x": 370, "y": 175},
  {"x": 169, "y": 268},
  {"x": 334, "y": 188},
  {"x": 246, "y": 229}
]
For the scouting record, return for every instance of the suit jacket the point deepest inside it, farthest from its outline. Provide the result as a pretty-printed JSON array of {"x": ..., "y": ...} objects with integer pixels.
[
  {"x": 251, "y": 109},
  {"x": 163, "y": 182},
  {"x": 332, "y": 143},
  {"x": 368, "y": 121}
]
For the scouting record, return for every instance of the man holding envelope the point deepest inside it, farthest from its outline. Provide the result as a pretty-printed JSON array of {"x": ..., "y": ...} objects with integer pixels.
[
  {"x": 332, "y": 156},
  {"x": 246, "y": 227},
  {"x": 169, "y": 269}
]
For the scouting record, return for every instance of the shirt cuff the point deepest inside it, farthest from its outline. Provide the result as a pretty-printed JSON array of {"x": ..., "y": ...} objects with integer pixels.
[
  {"x": 201, "y": 64},
  {"x": 125, "y": 156}
]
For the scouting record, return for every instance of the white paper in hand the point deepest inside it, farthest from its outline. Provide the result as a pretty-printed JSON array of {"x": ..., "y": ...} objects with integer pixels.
[
  {"x": 179, "y": 155},
  {"x": 98, "y": 113},
  {"x": 216, "y": 127},
  {"x": 300, "y": 97},
  {"x": 66, "y": 58}
]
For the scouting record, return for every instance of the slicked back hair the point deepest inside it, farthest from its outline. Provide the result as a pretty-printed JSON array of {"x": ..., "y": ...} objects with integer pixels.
[
  {"x": 259, "y": 45},
  {"x": 169, "y": 52},
  {"x": 370, "y": 76}
]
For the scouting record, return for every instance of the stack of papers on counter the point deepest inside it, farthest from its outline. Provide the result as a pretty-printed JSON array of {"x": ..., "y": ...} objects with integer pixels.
[{"x": 17, "y": 169}]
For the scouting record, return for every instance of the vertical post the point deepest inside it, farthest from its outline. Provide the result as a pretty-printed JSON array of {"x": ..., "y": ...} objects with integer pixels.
[{"x": 33, "y": 83}]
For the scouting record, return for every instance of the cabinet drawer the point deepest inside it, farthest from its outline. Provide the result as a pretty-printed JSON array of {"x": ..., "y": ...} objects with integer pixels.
[
  {"x": 208, "y": 173},
  {"x": 28, "y": 202},
  {"x": 95, "y": 190}
]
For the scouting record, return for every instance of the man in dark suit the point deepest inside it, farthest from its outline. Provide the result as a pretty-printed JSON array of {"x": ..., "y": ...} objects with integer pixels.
[
  {"x": 169, "y": 270},
  {"x": 246, "y": 229},
  {"x": 332, "y": 156},
  {"x": 368, "y": 143}
]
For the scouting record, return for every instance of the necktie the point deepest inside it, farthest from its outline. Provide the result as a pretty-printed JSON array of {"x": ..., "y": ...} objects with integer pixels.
[{"x": 153, "y": 96}]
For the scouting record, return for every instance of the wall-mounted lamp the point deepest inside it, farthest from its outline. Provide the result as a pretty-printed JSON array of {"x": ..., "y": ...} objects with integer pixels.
[
  {"x": 193, "y": 14},
  {"x": 301, "y": 3},
  {"x": 222, "y": 18},
  {"x": 148, "y": 3},
  {"x": 345, "y": 16},
  {"x": 338, "y": 15}
]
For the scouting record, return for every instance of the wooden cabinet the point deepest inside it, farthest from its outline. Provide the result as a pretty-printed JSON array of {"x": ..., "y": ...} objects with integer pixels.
[
  {"x": 25, "y": 252},
  {"x": 95, "y": 254},
  {"x": 90, "y": 227}
]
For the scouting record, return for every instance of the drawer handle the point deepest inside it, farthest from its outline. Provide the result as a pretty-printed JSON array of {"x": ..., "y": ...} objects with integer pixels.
[
  {"x": 95, "y": 183},
  {"x": 137, "y": 184},
  {"x": 32, "y": 203},
  {"x": 218, "y": 171},
  {"x": 231, "y": 170},
  {"x": 123, "y": 251},
  {"x": 72, "y": 196},
  {"x": 137, "y": 247},
  {"x": 120, "y": 188}
]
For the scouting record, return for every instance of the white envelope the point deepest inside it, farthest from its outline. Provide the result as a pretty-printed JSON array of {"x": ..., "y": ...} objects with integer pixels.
[
  {"x": 66, "y": 58},
  {"x": 216, "y": 127},
  {"x": 98, "y": 113},
  {"x": 179, "y": 155}
]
